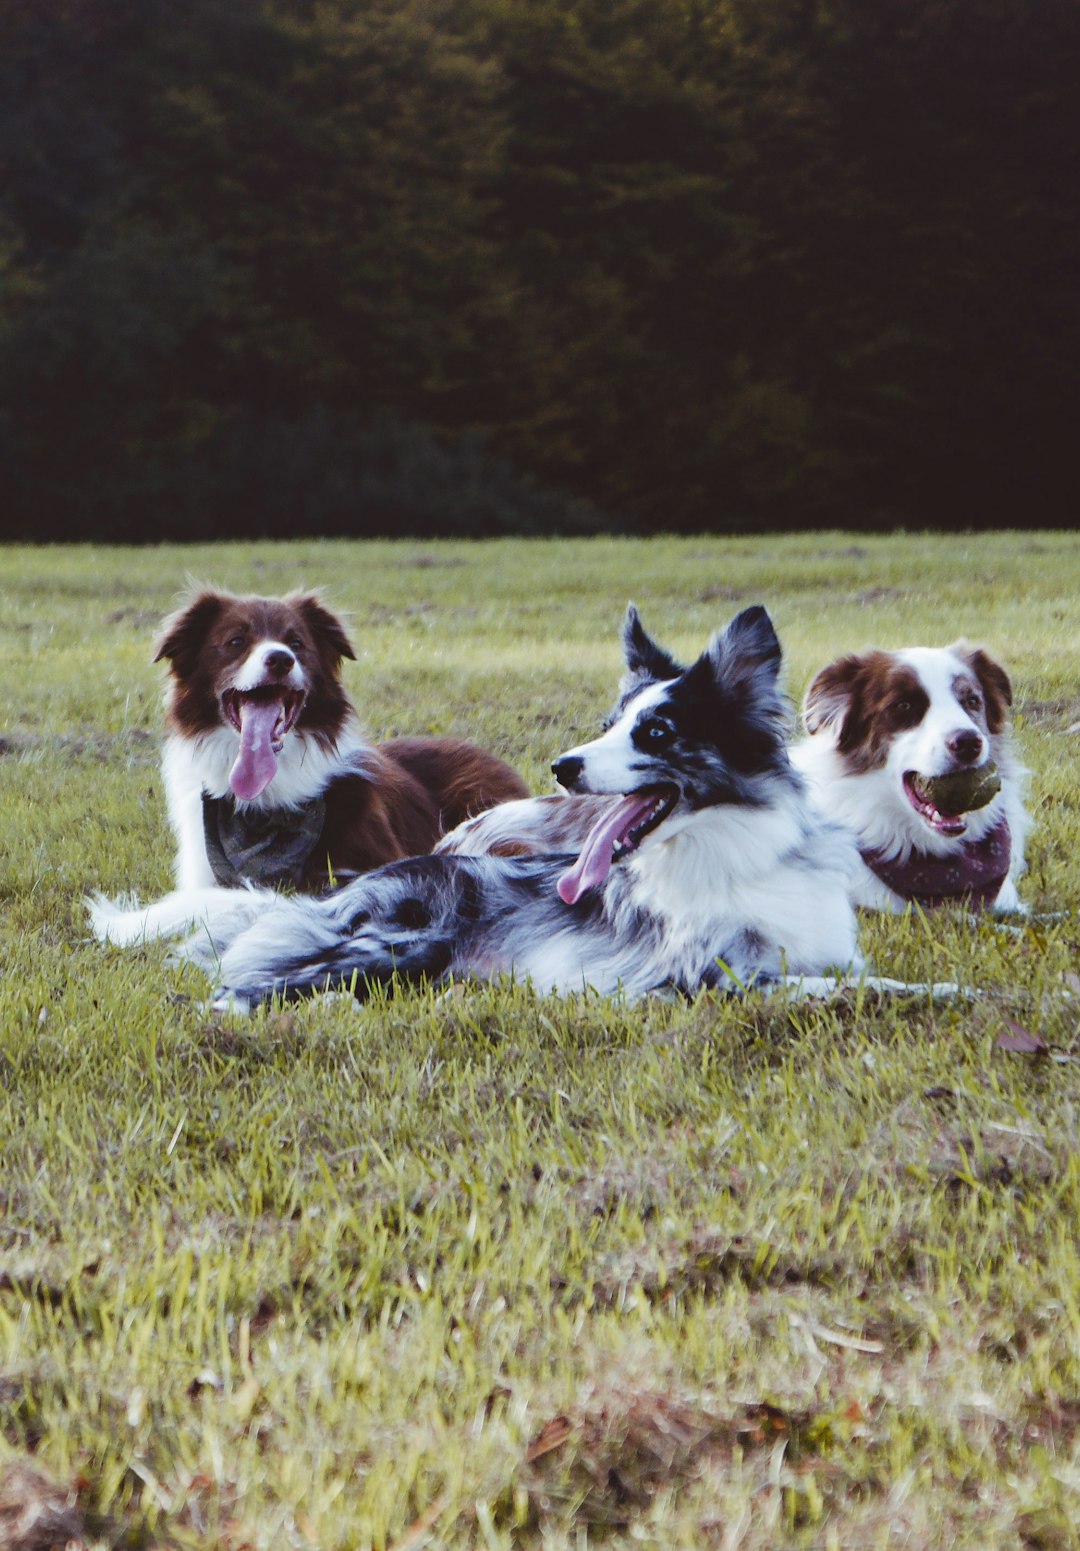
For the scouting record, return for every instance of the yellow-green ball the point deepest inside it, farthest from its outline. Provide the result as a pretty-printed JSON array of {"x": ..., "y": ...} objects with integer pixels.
[{"x": 965, "y": 790}]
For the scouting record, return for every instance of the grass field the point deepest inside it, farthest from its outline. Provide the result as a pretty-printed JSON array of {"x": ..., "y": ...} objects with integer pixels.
[{"x": 493, "y": 1270}]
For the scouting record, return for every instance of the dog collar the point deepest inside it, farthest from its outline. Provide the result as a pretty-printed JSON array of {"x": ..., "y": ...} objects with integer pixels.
[
  {"x": 975, "y": 873},
  {"x": 256, "y": 846}
]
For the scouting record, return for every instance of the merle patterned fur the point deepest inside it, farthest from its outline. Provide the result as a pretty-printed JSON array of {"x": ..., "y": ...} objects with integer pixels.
[{"x": 737, "y": 881}]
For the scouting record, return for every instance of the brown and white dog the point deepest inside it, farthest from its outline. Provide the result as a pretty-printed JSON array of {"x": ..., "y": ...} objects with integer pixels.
[
  {"x": 268, "y": 776},
  {"x": 879, "y": 725},
  {"x": 882, "y": 727}
]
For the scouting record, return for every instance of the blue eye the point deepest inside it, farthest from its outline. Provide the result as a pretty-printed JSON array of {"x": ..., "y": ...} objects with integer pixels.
[{"x": 656, "y": 730}]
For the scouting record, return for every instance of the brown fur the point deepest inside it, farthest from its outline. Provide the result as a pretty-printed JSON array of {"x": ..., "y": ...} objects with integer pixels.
[
  {"x": 415, "y": 790},
  {"x": 873, "y": 696},
  {"x": 398, "y": 800},
  {"x": 994, "y": 682},
  {"x": 206, "y": 640}
]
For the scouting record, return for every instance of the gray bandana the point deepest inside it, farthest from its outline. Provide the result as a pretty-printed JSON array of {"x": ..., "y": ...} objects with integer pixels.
[{"x": 253, "y": 846}]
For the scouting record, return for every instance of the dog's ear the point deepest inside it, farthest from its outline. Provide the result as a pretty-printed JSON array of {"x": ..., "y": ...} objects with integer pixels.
[
  {"x": 833, "y": 694},
  {"x": 993, "y": 680},
  {"x": 644, "y": 659},
  {"x": 324, "y": 625},
  {"x": 184, "y": 633},
  {"x": 744, "y": 662},
  {"x": 749, "y": 644}
]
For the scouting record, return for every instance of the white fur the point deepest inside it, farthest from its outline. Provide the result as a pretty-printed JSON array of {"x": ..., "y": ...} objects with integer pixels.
[
  {"x": 524, "y": 822},
  {"x": 192, "y": 766},
  {"x": 733, "y": 866},
  {"x": 873, "y": 804},
  {"x": 253, "y": 672},
  {"x": 923, "y": 748},
  {"x": 722, "y": 872},
  {"x": 204, "y": 911},
  {"x": 611, "y": 759},
  {"x": 737, "y": 884}
]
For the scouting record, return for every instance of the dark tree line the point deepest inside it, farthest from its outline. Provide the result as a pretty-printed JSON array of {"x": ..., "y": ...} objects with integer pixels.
[{"x": 473, "y": 266}]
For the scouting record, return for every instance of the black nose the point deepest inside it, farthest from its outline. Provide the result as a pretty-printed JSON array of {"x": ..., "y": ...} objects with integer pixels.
[
  {"x": 279, "y": 661},
  {"x": 964, "y": 746},
  {"x": 567, "y": 770}
]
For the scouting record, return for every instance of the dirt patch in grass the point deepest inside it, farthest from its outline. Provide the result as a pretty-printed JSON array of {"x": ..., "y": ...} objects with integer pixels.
[
  {"x": 36, "y": 1514},
  {"x": 138, "y": 619},
  {"x": 721, "y": 590},
  {"x": 1061, "y": 710},
  {"x": 102, "y": 747},
  {"x": 622, "y": 1447},
  {"x": 428, "y": 560}
]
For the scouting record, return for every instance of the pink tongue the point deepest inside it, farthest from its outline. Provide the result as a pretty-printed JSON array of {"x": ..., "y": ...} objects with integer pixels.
[
  {"x": 594, "y": 863},
  {"x": 256, "y": 762}
]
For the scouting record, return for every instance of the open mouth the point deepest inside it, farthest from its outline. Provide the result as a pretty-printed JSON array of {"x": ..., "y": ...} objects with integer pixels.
[
  {"x": 618, "y": 831},
  {"x": 940, "y": 807},
  {"x": 654, "y": 804},
  {"x": 285, "y": 704},
  {"x": 263, "y": 717}
]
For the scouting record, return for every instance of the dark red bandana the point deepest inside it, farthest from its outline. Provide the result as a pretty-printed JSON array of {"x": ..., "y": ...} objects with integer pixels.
[{"x": 973, "y": 874}]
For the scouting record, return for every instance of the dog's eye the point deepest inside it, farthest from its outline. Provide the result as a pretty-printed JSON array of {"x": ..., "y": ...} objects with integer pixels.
[
  {"x": 902, "y": 707},
  {"x": 295, "y": 645},
  {"x": 656, "y": 731},
  {"x": 235, "y": 640},
  {"x": 971, "y": 701}
]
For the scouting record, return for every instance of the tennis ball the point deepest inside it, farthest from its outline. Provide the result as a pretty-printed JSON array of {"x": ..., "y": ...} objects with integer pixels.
[{"x": 964, "y": 790}]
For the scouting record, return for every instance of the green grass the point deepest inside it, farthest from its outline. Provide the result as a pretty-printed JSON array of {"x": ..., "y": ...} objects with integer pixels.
[{"x": 495, "y": 1270}]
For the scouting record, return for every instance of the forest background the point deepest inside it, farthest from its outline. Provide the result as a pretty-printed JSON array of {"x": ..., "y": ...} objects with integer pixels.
[{"x": 467, "y": 267}]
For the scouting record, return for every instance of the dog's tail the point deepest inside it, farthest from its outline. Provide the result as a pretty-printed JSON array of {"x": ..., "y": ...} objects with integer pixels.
[
  {"x": 214, "y": 916},
  {"x": 407, "y": 921}
]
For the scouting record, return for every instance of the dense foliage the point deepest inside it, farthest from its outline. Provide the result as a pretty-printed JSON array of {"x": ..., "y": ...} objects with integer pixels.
[{"x": 376, "y": 266}]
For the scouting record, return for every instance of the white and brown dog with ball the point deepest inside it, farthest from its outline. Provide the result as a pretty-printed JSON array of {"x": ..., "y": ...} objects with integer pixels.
[{"x": 911, "y": 751}]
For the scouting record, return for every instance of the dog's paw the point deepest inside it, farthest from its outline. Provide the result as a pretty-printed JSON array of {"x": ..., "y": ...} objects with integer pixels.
[
  {"x": 226, "y": 1004},
  {"x": 1008, "y": 902},
  {"x": 337, "y": 1000},
  {"x": 824, "y": 987}
]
